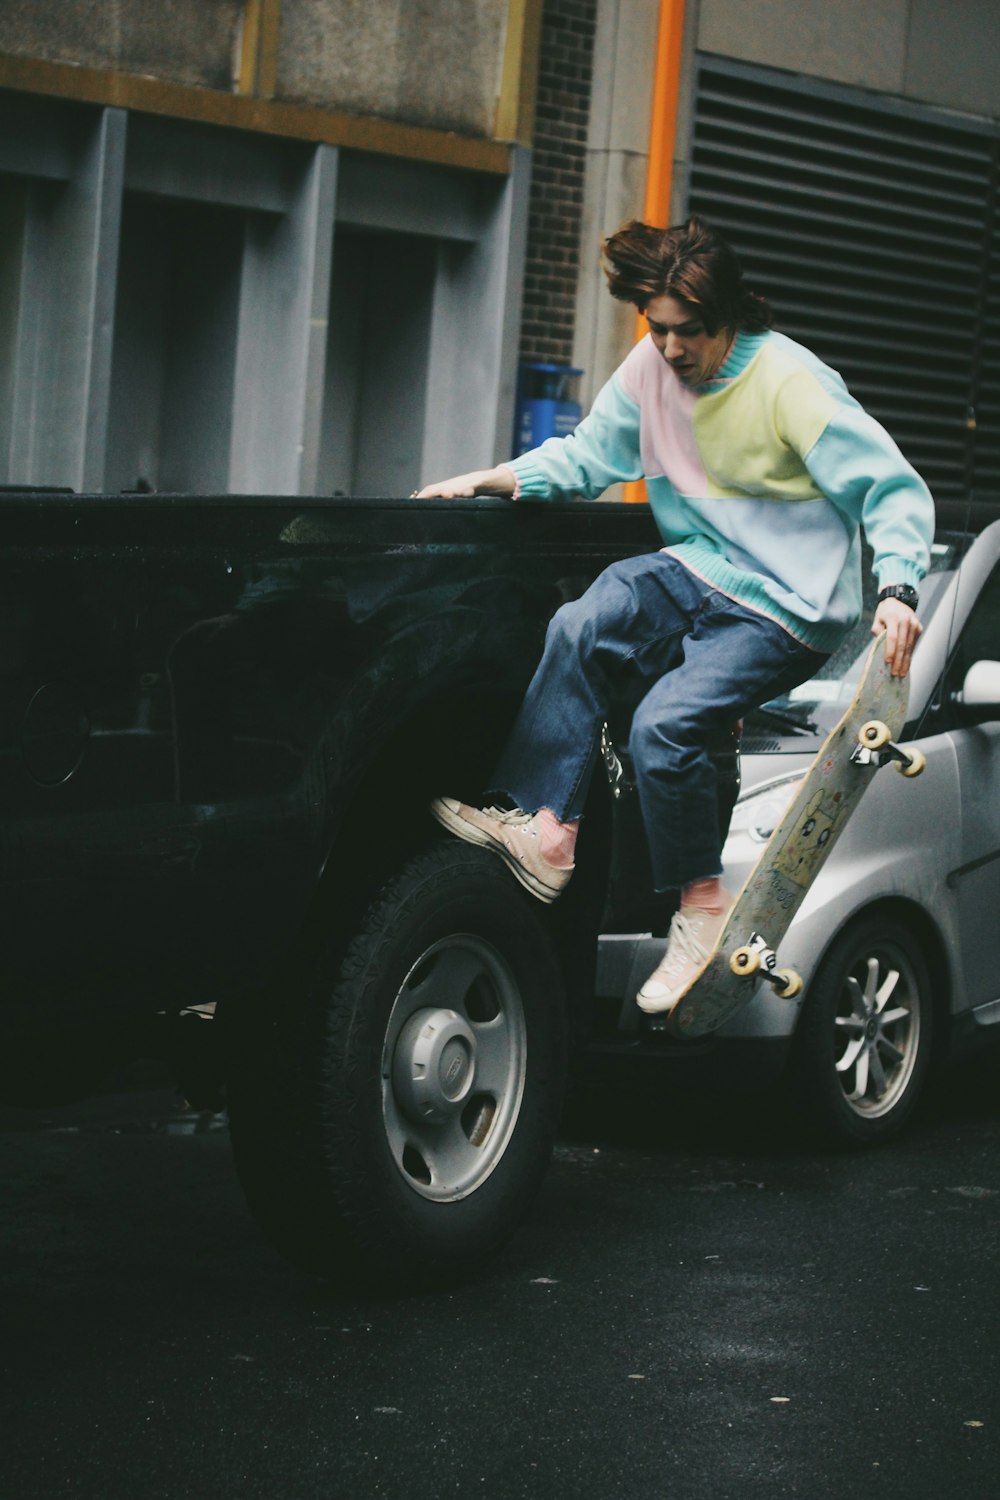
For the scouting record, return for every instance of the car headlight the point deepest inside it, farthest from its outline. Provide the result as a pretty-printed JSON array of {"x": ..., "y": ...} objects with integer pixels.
[{"x": 757, "y": 812}]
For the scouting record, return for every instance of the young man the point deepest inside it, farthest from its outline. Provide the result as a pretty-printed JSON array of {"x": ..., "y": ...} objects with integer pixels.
[{"x": 761, "y": 469}]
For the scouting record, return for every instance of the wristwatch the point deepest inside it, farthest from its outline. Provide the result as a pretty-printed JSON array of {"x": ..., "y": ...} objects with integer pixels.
[{"x": 904, "y": 592}]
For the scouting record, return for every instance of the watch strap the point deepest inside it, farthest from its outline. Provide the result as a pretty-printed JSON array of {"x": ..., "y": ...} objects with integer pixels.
[{"x": 904, "y": 592}]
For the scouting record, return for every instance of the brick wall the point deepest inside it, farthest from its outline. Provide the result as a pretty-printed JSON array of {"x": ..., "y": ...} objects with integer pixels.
[{"x": 563, "y": 105}]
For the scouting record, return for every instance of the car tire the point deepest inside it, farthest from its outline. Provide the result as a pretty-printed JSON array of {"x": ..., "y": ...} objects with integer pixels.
[
  {"x": 863, "y": 1044},
  {"x": 394, "y": 1127}
]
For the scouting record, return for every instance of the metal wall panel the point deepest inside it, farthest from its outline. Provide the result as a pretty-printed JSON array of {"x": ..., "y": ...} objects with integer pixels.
[
  {"x": 871, "y": 227},
  {"x": 987, "y": 449}
]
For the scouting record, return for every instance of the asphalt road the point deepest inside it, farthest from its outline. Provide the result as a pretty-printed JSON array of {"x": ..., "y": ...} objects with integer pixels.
[{"x": 698, "y": 1308}]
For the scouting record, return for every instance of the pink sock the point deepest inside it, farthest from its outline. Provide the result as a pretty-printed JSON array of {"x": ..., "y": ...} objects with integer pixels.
[
  {"x": 706, "y": 895},
  {"x": 557, "y": 840}
]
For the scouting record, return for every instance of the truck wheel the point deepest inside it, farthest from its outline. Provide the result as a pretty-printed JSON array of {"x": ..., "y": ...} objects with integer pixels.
[
  {"x": 863, "y": 1043},
  {"x": 395, "y": 1126}
]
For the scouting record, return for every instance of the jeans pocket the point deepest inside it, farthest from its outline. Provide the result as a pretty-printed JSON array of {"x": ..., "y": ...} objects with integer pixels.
[{"x": 651, "y": 658}]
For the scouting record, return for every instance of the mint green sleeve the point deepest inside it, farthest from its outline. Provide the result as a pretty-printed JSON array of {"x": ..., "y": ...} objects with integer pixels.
[
  {"x": 604, "y": 450},
  {"x": 860, "y": 469}
]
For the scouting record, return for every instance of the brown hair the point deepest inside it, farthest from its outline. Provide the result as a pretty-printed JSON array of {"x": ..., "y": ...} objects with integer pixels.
[{"x": 691, "y": 262}]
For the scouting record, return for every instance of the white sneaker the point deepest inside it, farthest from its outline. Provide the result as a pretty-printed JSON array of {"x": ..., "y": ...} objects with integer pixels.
[
  {"x": 514, "y": 836},
  {"x": 690, "y": 941}
]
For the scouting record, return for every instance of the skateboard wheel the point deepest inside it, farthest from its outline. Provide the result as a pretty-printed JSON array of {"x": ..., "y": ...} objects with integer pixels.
[
  {"x": 914, "y": 763},
  {"x": 874, "y": 734},
  {"x": 790, "y": 985},
  {"x": 745, "y": 961}
]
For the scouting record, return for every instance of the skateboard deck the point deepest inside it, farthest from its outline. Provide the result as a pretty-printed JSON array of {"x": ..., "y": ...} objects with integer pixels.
[{"x": 802, "y": 840}]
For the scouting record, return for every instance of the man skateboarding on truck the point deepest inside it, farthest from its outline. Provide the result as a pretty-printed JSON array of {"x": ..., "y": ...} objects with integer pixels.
[{"x": 760, "y": 469}]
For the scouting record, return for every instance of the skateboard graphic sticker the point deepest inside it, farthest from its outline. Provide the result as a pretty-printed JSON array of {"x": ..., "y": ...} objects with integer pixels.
[{"x": 802, "y": 854}]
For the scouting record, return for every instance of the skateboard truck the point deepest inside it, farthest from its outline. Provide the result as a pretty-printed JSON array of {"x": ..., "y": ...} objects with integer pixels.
[
  {"x": 756, "y": 958},
  {"x": 876, "y": 747}
]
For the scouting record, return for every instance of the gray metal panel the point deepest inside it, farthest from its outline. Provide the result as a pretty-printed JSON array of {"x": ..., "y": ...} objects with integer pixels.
[
  {"x": 987, "y": 466},
  {"x": 40, "y": 137},
  {"x": 61, "y": 357},
  {"x": 409, "y": 199},
  {"x": 208, "y": 164},
  {"x": 281, "y": 343},
  {"x": 865, "y": 221},
  {"x": 175, "y": 338},
  {"x": 473, "y": 363}
]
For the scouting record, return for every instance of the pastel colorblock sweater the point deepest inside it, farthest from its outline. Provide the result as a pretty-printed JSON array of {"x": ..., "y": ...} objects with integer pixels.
[{"x": 759, "y": 480}]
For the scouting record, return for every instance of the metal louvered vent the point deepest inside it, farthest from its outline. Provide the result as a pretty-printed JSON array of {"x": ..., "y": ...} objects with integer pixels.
[
  {"x": 871, "y": 227},
  {"x": 987, "y": 459}
]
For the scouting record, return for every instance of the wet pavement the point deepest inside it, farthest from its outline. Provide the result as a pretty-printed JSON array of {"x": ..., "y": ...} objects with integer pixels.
[{"x": 699, "y": 1307}]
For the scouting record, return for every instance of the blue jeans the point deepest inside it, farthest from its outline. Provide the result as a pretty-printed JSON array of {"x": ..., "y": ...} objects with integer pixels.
[{"x": 697, "y": 661}]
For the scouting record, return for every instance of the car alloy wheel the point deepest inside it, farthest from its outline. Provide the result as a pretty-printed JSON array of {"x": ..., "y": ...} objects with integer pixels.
[
  {"x": 862, "y": 1047},
  {"x": 877, "y": 1031}
]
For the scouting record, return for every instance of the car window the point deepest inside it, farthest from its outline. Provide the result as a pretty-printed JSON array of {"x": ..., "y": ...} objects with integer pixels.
[{"x": 980, "y": 640}]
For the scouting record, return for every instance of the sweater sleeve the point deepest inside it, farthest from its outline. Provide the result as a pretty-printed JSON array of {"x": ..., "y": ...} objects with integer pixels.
[
  {"x": 858, "y": 466},
  {"x": 855, "y": 463},
  {"x": 604, "y": 450}
]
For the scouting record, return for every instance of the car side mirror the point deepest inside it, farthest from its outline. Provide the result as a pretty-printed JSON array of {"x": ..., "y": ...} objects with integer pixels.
[{"x": 980, "y": 691}]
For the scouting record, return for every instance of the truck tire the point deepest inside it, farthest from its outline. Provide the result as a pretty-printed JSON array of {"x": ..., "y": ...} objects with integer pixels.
[{"x": 393, "y": 1126}]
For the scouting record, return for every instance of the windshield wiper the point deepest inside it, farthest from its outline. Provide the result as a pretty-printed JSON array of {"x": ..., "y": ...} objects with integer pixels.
[{"x": 787, "y": 720}]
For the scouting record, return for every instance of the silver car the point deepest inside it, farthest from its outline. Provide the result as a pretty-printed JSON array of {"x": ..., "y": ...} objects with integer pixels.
[{"x": 898, "y": 940}]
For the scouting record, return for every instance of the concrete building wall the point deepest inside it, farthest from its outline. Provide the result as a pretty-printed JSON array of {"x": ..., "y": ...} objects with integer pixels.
[
  {"x": 943, "y": 54},
  {"x": 862, "y": 42},
  {"x": 952, "y": 55},
  {"x": 432, "y": 64},
  {"x": 437, "y": 64},
  {"x": 185, "y": 41}
]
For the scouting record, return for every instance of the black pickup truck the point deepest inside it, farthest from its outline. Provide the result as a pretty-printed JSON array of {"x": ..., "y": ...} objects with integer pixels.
[{"x": 223, "y": 720}]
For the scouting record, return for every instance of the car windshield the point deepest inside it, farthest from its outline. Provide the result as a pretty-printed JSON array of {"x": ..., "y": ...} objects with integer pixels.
[{"x": 799, "y": 720}]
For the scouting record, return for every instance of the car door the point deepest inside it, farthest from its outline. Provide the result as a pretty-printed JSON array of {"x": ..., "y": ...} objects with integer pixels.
[{"x": 975, "y": 735}]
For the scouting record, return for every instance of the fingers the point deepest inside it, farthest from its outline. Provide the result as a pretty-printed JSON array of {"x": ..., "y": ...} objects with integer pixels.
[
  {"x": 447, "y": 490},
  {"x": 902, "y": 629},
  {"x": 498, "y": 481}
]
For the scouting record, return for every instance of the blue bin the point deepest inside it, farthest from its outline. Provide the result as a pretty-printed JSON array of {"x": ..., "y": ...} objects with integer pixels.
[{"x": 546, "y": 404}]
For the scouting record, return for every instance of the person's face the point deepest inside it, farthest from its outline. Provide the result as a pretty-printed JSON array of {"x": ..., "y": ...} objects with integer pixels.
[{"x": 680, "y": 336}]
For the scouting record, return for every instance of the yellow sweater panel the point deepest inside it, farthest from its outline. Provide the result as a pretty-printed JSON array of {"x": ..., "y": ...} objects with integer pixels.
[{"x": 753, "y": 433}]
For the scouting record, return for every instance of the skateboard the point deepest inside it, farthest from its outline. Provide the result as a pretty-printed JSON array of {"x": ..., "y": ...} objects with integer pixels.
[{"x": 807, "y": 831}]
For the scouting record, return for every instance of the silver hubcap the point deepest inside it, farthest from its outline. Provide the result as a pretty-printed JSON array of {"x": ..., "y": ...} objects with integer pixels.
[
  {"x": 877, "y": 1032},
  {"x": 453, "y": 1067},
  {"x": 434, "y": 1066}
]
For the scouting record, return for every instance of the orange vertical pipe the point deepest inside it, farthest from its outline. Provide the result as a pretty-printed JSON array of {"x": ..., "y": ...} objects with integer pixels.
[
  {"x": 663, "y": 122},
  {"x": 662, "y": 139}
]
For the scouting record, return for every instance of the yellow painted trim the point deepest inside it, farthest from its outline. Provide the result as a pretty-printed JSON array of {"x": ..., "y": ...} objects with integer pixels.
[
  {"x": 662, "y": 140},
  {"x": 515, "y": 116},
  {"x": 267, "y": 65},
  {"x": 267, "y": 116},
  {"x": 246, "y": 76}
]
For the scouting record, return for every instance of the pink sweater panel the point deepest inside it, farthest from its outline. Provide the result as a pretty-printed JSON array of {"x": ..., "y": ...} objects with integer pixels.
[{"x": 667, "y": 441}]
